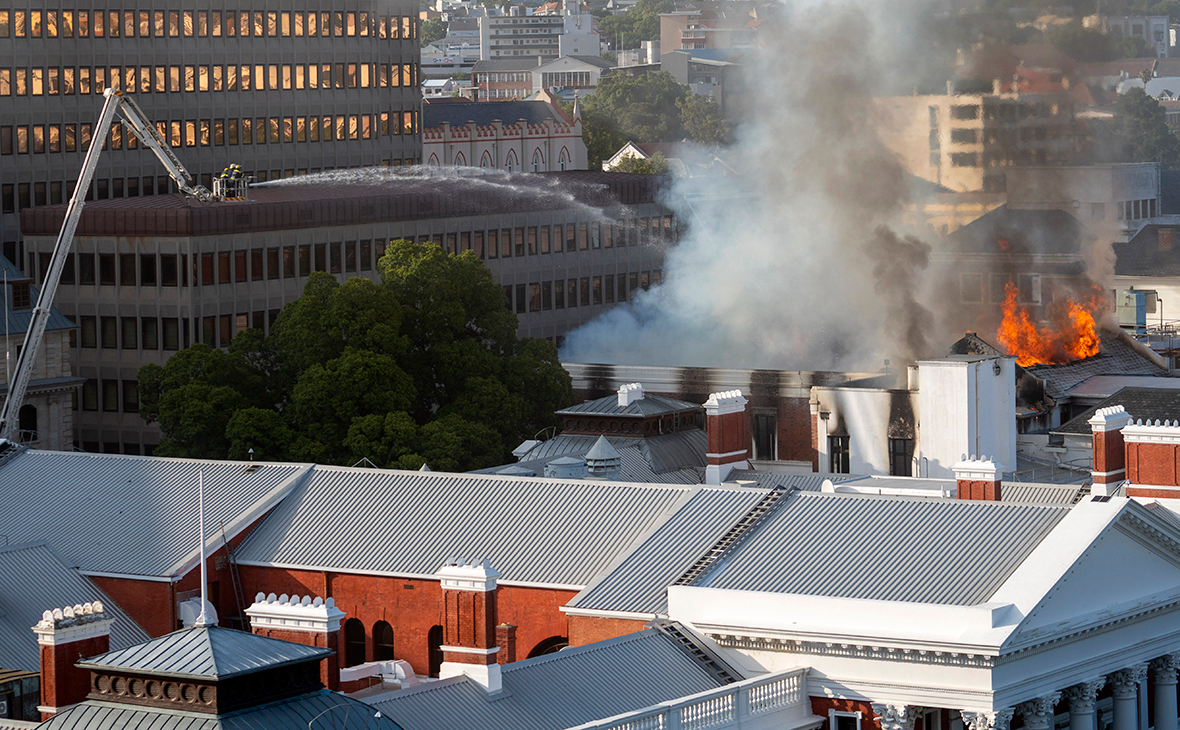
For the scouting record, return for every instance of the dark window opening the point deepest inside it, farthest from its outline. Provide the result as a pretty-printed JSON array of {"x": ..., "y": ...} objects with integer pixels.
[
  {"x": 354, "y": 642},
  {"x": 838, "y": 454}
]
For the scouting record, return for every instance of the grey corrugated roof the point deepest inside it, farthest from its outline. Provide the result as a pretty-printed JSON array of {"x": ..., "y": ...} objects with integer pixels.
[
  {"x": 1028, "y": 493},
  {"x": 887, "y": 548},
  {"x": 649, "y": 405},
  {"x": 560, "y": 690},
  {"x": 770, "y": 479},
  {"x": 210, "y": 652},
  {"x": 131, "y": 515},
  {"x": 672, "y": 458},
  {"x": 34, "y": 580},
  {"x": 290, "y": 714},
  {"x": 1146, "y": 403},
  {"x": 602, "y": 450},
  {"x": 408, "y": 523},
  {"x": 676, "y": 450},
  {"x": 638, "y": 584},
  {"x": 1118, "y": 356}
]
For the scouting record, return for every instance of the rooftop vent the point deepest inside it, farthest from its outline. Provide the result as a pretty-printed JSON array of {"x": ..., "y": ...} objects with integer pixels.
[{"x": 630, "y": 393}]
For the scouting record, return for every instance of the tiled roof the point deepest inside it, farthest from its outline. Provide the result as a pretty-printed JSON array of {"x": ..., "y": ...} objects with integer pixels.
[
  {"x": 291, "y": 714},
  {"x": 1118, "y": 355},
  {"x": 132, "y": 515},
  {"x": 34, "y": 580},
  {"x": 210, "y": 652},
  {"x": 1145, "y": 403},
  {"x": 593, "y": 682},
  {"x": 412, "y": 521}
]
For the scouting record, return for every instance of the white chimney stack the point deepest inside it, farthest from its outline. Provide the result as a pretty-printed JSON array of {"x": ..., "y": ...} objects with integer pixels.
[{"x": 630, "y": 393}]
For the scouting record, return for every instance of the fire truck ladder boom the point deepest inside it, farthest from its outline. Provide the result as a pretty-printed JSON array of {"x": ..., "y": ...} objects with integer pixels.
[{"x": 123, "y": 106}]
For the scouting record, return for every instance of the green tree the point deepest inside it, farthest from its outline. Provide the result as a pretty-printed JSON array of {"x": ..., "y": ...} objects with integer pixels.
[
  {"x": 1083, "y": 44},
  {"x": 432, "y": 30},
  {"x": 1141, "y": 133},
  {"x": 703, "y": 121},
  {"x": 640, "y": 23},
  {"x": 654, "y": 165},
  {"x": 642, "y": 108},
  {"x": 422, "y": 368}
]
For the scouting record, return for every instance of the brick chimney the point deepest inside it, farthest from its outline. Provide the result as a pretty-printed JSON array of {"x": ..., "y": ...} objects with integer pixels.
[
  {"x": 506, "y": 640},
  {"x": 1110, "y": 458},
  {"x": 469, "y": 622},
  {"x": 65, "y": 636},
  {"x": 978, "y": 478},
  {"x": 729, "y": 437},
  {"x": 1152, "y": 453},
  {"x": 308, "y": 621}
]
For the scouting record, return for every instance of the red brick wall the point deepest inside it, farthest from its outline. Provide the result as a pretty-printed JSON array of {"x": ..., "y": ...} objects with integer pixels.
[
  {"x": 988, "y": 491},
  {"x": 62, "y": 683},
  {"x": 796, "y": 434},
  {"x": 413, "y": 606},
  {"x": 821, "y": 705},
  {"x": 728, "y": 432},
  {"x": 1152, "y": 463},
  {"x": 1108, "y": 451},
  {"x": 469, "y": 619},
  {"x": 151, "y": 604},
  {"x": 330, "y": 667},
  {"x": 589, "y": 629}
]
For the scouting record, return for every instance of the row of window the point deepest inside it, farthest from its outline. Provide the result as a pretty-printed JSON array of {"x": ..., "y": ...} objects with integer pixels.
[
  {"x": 38, "y": 139},
  {"x": 586, "y": 291},
  {"x": 68, "y": 80},
  {"x": 287, "y": 262},
  {"x": 18, "y": 196},
  {"x": 485, "y": 94},
  {"x": 202, "y": 24},
  {"x": 580, "y": 79},
  {"x": 901, "y": 456},
  {"x": 504, "y": 78},
  {"x": 105, "y": 395}
]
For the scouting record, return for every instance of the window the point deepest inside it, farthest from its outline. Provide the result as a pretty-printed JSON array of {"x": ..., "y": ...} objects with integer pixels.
[
  {"x": 240, "y": 273},
  {"x": 843, "y": 720},
  {"x": 965, "y": 112},
  {"x": 963, "y": 136},
  {"x": 1030, "y": 288},
  {"x": 965, "y": 159},
  {"x": 130, "y": 396},
  {"x": 90, "y": 395},
  {"x": 27, "y": 422},
  {"x": 765, "y": 426},
  {"x": 149, "y": 331},
  {"x": 354, "y": 642},
  {"x": 106, "y": 269},
  {"x": 838, "y": 454},
  {"x": 110, "y": 396},
  {"x": 89, "y": 331},
  {"x": 130, "y": 333},
  {"x": 22, "y": 295},
  {"x": 971, "y": 287},
  {"x": 167, "y": 269},
  {"x": 520, "y": 299},
  {"x": 127, "y": 269},
  {"x": 171, "y": 333},
  {"x": 901, "y": 457},
  {"x": 434, "y": 639},
  {"x": 272, "y": 263},
  {"x": 382, "y": 642},
  {"x": 223, "y": 273},
  {"x": 109, "y": 330}
]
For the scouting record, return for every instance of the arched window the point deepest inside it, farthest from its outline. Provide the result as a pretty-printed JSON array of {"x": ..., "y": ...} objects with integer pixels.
[
  {"x": 549, "y": 646},
  {"x": 27, "y": 419},
  {"x": 382, "y": 641},
  {"x": 564, "y": 159},
  {"x": 433, "y": 161},
  {"x": 511, "y": 164},
  {"x": 354, "y": 642},
  {"x": 538, "y": 161},
  {"x": 460, "y": 160},
  {"x": 434, "y": 641},
  {"x": 486, "y": 161}
]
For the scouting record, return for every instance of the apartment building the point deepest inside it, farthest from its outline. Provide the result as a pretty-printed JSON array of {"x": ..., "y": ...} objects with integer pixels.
[
  {"x": 280, "y": 88},
  {"x": 570, "y": 33},
  {"x": 150, "y": 276}
]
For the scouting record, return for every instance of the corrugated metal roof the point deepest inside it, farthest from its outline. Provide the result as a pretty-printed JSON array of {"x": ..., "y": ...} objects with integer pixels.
[
  {"x": 671, "y": 458},
  {"x": 639, "y": 582},
  {"x": 131, "y": 515},
  {"x": 408, "y": 523},
  {"x": 649, "y": 405},
  {"x": 291, "y": 714},
  {"x": 676, "y": 450},
  {"x": 1026, "y": 493},
  {"x": 769, "y": 479},
  {"x": 593, "y": 682},
  {"x": 210, "y": 652},
  {"x": 888, "y": 548},
  {"x": 33, "y": 580}
]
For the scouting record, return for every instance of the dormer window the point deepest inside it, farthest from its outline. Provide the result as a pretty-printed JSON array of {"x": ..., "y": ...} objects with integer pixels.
[{"x": 22, "y": 295}]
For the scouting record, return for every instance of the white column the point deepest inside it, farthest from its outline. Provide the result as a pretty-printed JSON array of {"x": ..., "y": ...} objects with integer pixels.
[
  {"x": 998, "y": 720},
  {"x": 1164, "y": 670},
  {"x": 1038, "y": 713},
  {"x": 1083, "y": 699},
  {"x": 1124, "y": 685},
  {"x": 896, "y": 717}
]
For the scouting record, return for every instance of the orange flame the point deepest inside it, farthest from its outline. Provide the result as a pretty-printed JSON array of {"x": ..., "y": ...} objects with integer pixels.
[{"x": 1074, "y": 338}]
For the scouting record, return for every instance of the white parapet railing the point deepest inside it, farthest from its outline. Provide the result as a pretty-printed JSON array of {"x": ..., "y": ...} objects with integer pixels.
[{"x": 776, "y": 700}]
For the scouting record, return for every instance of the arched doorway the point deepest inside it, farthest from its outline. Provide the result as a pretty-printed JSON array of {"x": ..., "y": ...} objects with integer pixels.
[
  {"x": 382, "y": 641},
  {"x": 354, "y": 642},
  {"x": 550, "y": 645},
  {"x": 434, "y": 641},
  {"x": 27, "y": 420}
]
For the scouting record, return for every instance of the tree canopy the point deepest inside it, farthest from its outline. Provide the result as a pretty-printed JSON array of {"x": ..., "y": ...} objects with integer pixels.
[
  {"x": 640, "y": 23},
  {"x": 424, "y": 367},
  {"x": 432, "y": 30},
  {"x": 654, "y": 165},
  {"x": 1141, "y": 133},
  {"x": 1087, "y": 44}
]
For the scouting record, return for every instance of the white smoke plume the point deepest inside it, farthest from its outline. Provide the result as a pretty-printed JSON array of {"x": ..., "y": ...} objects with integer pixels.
[{"x": 775, "y": 270}]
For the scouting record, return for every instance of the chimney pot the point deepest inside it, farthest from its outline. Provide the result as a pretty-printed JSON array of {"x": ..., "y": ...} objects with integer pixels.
[
  {"x": 64, "y": 635},
  {"x": 979, "y": 479},
  {"x": 1110, "y": 458},
  {"x": 630, "y": 393}
]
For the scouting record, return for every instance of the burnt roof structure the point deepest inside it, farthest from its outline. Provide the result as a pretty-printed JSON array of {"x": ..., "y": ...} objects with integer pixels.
[
  {"x": 973, "y": 344},
  {"x": 1118, "y": 355},
  {"x": 349, "y": 198},
  {"x": 1021, "y": 232}
]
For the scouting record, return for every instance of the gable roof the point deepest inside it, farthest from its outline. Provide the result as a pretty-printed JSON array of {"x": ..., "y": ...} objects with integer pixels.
[
  {"x": 483, "y": 113},
  {"x": 593, "y": 682},
  {"x": 210, "y": 652},
  {"x": 1021, "y": 232},
  {"x": 34, "y": 580},
  {"x": 1148, "y": 404},
  {"x": 406, "y": 524},
  {"x": 132, "y": 515}
]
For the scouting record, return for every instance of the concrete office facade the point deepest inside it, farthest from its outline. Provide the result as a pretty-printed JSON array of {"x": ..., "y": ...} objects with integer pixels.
[
  {"x": 145, "y": 280},
  {"x": 280, "y": 88}
]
